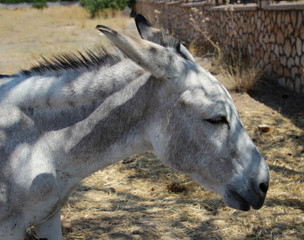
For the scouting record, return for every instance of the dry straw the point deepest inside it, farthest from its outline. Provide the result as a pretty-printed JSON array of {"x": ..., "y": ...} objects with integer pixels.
[{"x": 139, "y": 198}]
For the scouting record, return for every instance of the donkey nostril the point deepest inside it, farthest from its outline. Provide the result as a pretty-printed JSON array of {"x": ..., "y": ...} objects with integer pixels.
[{"x": 264, "y": 187}]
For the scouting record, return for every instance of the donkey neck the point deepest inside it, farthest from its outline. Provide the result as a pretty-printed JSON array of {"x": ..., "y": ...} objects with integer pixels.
[
  {"x": 115, "y": 129},
  {"x": 69, "y": 88}
]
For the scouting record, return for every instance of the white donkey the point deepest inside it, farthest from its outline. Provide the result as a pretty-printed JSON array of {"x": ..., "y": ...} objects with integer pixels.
[{"x": 64, "y": 119}]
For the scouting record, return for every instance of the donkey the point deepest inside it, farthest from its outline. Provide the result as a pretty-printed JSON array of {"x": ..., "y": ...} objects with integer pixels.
[{"x": 66, "y": 118}]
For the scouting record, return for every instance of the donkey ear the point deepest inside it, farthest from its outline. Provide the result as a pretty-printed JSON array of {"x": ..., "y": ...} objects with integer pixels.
[
  {"x": 159, "y": 61},
  {"x": 148, "y": 32},
  {"x": 146, "y": 29}
]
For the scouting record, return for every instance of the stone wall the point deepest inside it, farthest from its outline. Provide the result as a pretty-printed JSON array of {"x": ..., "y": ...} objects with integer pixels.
[{"x": 272, "y": 35}]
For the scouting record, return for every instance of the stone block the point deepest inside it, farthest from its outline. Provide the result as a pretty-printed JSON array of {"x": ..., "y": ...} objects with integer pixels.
[
  {"x": 272, "y": 58},
  {"x": 249, "y": 49},
  {"x": 267, "y": 21},
  {"x": 287, "y": 48},
  {"x": 283, "y": 60},
  {"x": 272, "y": 38},
  {"x": 301, "y": 32},
  {"x": 280, "y": 37},
  {"x": 293, "y": 18},
  {"x": 299, "y": 46},
  {"x": 275, "y": 28},
  {"x": 297, "y": 60},
  {"x": 266, "y": 38},
  {"x": 290, "y": 84},
  {"x": 276, "y": 50},
  {"x": 282, "y": 81},
  {"x": 293, "y": 51},
  {"x": 290, "y": 29},
  {"x": 298, "y": 85},
  {"x": 287, "y": 73},
  {"x": 287, "y": 18},
  {"x": 266, "y": 58},
  {"x": 280, "y": 71},
  {"x": 290, "y": 62},
  {"x": 294, "y": 72},
  {"x": 300, "y": 20},
  {"x": 257, "y": 54},
  {"x": 281, "y": 50},
  {"x": 279, "y": 18},
  {"x": 302, "y": 60}
]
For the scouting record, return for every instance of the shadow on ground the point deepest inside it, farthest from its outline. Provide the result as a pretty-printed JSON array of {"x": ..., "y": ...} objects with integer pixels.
[{"x": 289, "y": 104}]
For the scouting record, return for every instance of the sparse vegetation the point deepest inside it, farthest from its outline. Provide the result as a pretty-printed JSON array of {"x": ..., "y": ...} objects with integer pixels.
[
  {"x": 30, "y": 1},
  {"x": 40, "y": 5},
  {"x": 238, "y": 68},
  {"x": 94, "y": 6}
]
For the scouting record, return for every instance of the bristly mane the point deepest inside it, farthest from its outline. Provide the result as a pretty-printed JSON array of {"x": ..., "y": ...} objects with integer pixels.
[{"x": 89, "y": 60}]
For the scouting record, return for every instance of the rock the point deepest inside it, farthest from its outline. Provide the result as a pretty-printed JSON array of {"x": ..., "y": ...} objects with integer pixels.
[
  {"x": 290, "y": 84},
  {"x": 276, "y": 28},
  {"x": 276, "y": 50},
  {"x": 283, "y": 60},
  {"x": 267, "y": 21},
  {"x": 290, "y": 62},
  {"x": 294, "y": 71},
  {"x": 293, "y": 18},
  {"x": 280, "y": 37},
  {"x": 272, "y": 38},
  {"x": 302, "y": 32},
  {"x": 300, "y": 18},
  {"x": 287, "y": 18},
  {"x": 287, "y": 73},
  {"x": 279, "y": 18},
  {"x": 249, "y": 49},
  {"x": 293, "y": 51},
  {"x": 290, "y": 29},
  {"x": 109, "y": 190},
  {"x": 297, "y": 60},
  {"x": 176, "y": 187},
  {"x": 299, "y": 46},
  {"x": 282, "y": 82},
  {"x": 298, "y": 85},
  {"x": 287, "y": 48},
  {"x": 280, "y": 72},
  {"x": 264, "y": 128}
]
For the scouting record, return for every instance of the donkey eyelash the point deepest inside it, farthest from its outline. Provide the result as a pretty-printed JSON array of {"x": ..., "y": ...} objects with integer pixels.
[{"x": 218, "y": 120}]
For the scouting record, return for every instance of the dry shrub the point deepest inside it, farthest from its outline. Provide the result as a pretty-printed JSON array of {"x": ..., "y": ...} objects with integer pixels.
[
  {"x": 236, "y": 66},
  {"x": 238, "y": 69}
]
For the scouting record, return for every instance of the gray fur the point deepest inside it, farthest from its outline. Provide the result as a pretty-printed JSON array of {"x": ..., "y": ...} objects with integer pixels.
[{"x": 58, "y": 125}]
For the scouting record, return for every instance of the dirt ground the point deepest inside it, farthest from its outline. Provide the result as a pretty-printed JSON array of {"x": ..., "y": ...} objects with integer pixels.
[{"x": 140, "y": 198}]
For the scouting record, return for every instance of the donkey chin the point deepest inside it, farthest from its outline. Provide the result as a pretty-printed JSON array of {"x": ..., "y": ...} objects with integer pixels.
[{"x": 242, "y": 198}]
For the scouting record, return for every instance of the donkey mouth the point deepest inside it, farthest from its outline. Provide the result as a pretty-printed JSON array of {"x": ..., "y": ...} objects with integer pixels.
[{"x": 235, "y": 200}]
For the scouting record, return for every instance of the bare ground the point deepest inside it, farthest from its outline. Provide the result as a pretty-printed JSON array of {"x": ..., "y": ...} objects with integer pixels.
[{"x": 139, "y": 198}]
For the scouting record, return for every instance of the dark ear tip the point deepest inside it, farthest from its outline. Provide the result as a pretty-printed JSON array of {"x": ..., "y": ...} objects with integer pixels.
[
  {"x": 103, "y": 29},
  {"x": 140, "y": 19},
  {"x": 100, "y": 27}
]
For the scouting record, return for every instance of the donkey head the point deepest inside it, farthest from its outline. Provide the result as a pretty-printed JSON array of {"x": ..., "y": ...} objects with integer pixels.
[{"x": 196, "y": 129}]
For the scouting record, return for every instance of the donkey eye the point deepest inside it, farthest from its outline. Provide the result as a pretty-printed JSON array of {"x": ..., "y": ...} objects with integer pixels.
[{"x": 217, "y": 120}]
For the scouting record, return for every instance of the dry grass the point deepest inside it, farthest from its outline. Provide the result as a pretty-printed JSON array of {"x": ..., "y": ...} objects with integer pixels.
[
  {"x": 239, "y": 70},
  {"x": 28, "y": 34},
  {"x": 139, "y": 198},
  {"x": 240, "y": 73}
]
